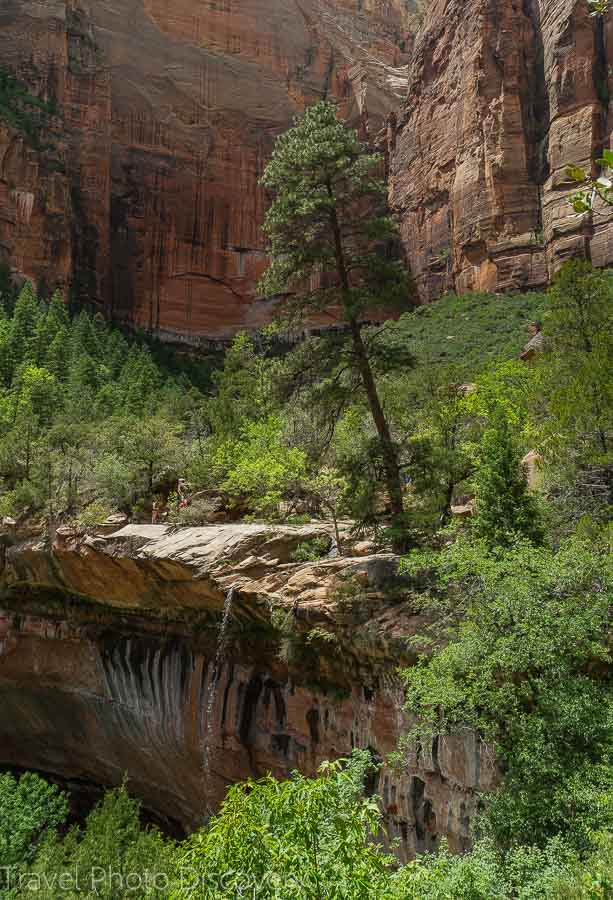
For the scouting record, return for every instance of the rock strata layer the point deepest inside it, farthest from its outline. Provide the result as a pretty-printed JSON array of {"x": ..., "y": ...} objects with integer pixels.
[
  {"x": 503, "y": 96},
  {"x": 145, "y": 198},
  {"x": 111, "y": 662}
]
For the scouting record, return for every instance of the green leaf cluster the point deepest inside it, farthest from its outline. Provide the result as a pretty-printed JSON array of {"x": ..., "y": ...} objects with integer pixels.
[
  {"x": 294, "y": 839},
  {"x": 523, "y": 659},
  {"x": 298, "y": 839}
]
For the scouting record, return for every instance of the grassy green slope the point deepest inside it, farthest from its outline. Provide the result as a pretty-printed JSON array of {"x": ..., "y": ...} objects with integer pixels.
[{"x": 472, "y": 329}]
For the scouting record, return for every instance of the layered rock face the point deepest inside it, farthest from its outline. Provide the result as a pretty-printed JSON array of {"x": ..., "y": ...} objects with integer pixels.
[
  {"x": 503, "y": 96},
  {"x": 143, "y": 196},
  {"x": 147, "y": 203},
  {"x": 112, "y": 662}
]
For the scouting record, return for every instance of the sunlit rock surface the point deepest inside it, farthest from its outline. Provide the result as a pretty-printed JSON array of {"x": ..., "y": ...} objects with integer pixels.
[{"x": 503, "y": 96}]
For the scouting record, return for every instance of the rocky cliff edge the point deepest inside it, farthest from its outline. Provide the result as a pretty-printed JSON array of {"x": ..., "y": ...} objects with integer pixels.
[{"x": 192, "y": 658}]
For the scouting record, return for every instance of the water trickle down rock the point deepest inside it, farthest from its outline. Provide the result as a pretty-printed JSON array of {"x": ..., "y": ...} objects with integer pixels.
[{"x": 214, "y": 679}]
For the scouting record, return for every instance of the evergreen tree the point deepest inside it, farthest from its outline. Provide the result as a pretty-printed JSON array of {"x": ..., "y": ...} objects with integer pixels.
[
  {"x": 54, "y": 321},
  {"x": 149, "y": 448},
  {"x": 84, "y": 337},
  {"x": 58, "y": 312},
  {"x": 115, "y": 352},
  {"x": 505, "y": 507},
  {"x": 81, "y": 386},
  {"x": 140, "y": 380},
  {"x": 330, "y": 237},
  {"x": 56, "y": 357},
  {"x": 24, "y": 325},
  {"x": 5, "y": 338}
]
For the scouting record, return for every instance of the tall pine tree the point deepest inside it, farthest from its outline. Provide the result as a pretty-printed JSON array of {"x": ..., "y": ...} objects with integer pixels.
[{"x": 330, "y": 235}]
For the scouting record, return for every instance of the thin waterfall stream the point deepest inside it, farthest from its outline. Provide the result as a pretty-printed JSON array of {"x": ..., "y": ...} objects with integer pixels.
[{"x": 215, "y": 677}]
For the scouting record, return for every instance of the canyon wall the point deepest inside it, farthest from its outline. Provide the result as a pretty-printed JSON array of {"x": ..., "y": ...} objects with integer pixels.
[
  {"x": 112, "y": 663},
  {"x": 141, "y": 195},
  {"x": 503, "y": 96}
]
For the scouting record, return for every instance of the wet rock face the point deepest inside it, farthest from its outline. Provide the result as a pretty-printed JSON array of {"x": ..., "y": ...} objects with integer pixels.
[
  {"x": 503, "y": 96},
  {"x": 92, "y": 687},
  {"x": 147, "y": 203},
  {"x": 95, "y": 705}
]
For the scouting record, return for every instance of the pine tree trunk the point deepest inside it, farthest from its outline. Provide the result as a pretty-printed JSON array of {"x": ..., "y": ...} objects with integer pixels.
[{"x": 390, "y": 456}]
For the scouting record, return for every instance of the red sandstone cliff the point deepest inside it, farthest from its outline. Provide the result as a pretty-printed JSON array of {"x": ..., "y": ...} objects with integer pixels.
[
  {"x": 503, "y": 95},
  {"x": 148, "y": 201}
]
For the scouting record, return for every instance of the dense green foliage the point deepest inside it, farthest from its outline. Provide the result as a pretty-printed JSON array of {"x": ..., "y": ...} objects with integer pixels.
[
  {"x": 92, "y": 423},
  {"x": 301, "y": 839},
  {"x": 30, "y": 810},
  {"x": 112, "y": 856},
  {"x": 86, "y": 415},
  {"x": 518, "y": 606},
  {"x": 471, "y": 330},
  {"x": 525, "y": 665},
  {"x": 578, "y": 376}
]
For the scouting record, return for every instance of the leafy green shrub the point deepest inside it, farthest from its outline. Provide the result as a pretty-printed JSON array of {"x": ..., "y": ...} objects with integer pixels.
[
  {"x": 524, "y": 873},
  {"x": 301, "y": 838},
  {"x": 198, "y": 512},
  {"x": 311, "y": 550},
  {"x": 260, "y": 465},
  {"x": 321, "y": 636},
  {"x": 94, "y": 514},
  {"x": 589, "y": 878},
  {"x": 8, "y": 504},
  {"x": 298, "y": 519},
  {"x": 23, "y": 498},
  {"x": 350, "y": 596}
]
